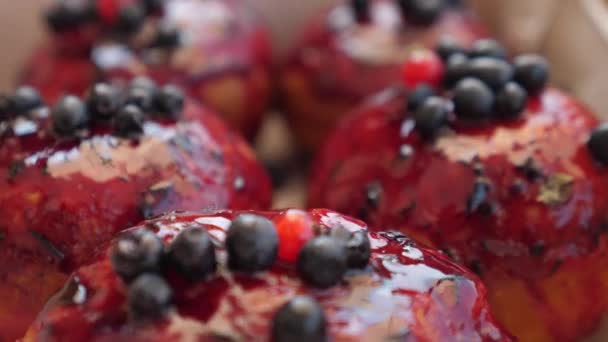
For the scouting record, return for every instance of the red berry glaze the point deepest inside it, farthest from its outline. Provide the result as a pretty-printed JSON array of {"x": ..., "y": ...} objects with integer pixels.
[
  {"x": 407, "y": 293},
  {"x": 295, "y": 228},
  {"x": 61, "y": 200},
  {"x": 521, "y": 201},
  {"x": 224, "y": 58},
  {"x": 337, "y": 62},
  {"x": 423, "y": 67}
]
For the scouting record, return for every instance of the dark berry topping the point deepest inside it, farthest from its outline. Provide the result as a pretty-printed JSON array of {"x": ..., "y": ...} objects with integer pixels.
[
  {"x": 488, "y": 48},
  {"x": 153, "y": 6},
  {"x": 252, "y": 243},
  {"x": 421, "y": 12},
  {"x": 417, "y": 97},
  {"x": 322, "y": 262},
  {"x": 473, "y": 100},
  {"x": 167, "y": 37},
  {"x": 511, "y": 100},
  {"x": 192, "y": 253},
  {"x": 300, "y": 320},
  {"x": 129, "y": 122},
  {"x": 457, "y": 68},
  {"x": 149, "y": 297},
  {"x": 170, "y": 102},
  {"x": 68, "y": 15},
  {"x": 6, "y": 106},
  {"x": 448, "y": 46},
  {"x": 103, "y": 101},
  {"x": 531, "y": 72},
  {"x": 431, "y": 117},
  {"x": 26, "y": 99},
  {"x": 598, "y": 144},
  {"x": 491, "y": 71},
  {"x": 145, "y": 83},
  {"x": 358, "y": 247},
  {"x": 361, "y": 10},
  {"x": 142, "y": 97},
  {"x": 69, "y": 115},
  {"x": 130, "y": 18},
  {"x": 135, "y": 253}
]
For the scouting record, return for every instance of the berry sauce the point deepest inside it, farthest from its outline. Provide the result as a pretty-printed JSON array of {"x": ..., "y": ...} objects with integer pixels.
[
  {"x": 216, "y": 50},
  {"x": 407, "y": 293},
  {"x": 521, "y": 201},
  {"x": 61, "y": 198},
  {"x": 338, "y": 61}
]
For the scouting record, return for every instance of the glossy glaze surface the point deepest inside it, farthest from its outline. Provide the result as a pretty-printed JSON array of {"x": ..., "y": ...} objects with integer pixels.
[
  {"x": 224, "y": 59},
  {"x": 537, "y": 235},
  {"x": 62, "y": 200},
  {"x": 337, "y": 62},
  {"x": 408, "y": 293}
]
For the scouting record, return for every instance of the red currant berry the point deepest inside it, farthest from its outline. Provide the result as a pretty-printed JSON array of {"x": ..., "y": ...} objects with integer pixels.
[
  {"x": 295, "y": 228},
  {"x": 423, "y": 67},
  {"x": 108, "y": 11}
]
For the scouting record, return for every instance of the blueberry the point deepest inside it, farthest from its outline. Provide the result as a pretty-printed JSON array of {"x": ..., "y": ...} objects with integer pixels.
[
  {"x": 103, "y": 101},
  {"x": 322, "y": 262},
  {"x": 448, "y": 46},
  {"x": 192, "y": 253},
  {"x": 598, "y": 143},
  {"x": 473, "y": 100},
  {"x": 457, "y": 68},
  {"x": 135, "y": 253},
  {"x": 167, "y": 37},
  {"x": 417, "y": 96},
  {"x": 252, "y": 243},
  {"x": 149, "y": 297},
  {"x": 26, "y": 99},
  {"x": 488, "y": 48},
  {"x": 300, "y": 320},
  {"x": 421, "y": 12},
  {"x": 129, "y": 121},
  {"x": 531, "y": 72},
  {"x": 130, "y": 18},
  {"x": 6, "y": 107},
  {"x": 361, "y": 9},
  {"x": 153, "y": 6},
  {"x": 510, "y": 100},
  {"x": 358, "y": 247},
  {"x": 145, "y": 83},
  {"x": 431, "y": 116},
  {"x": 491, "y": 71},
  {"x": 66, "y": 15},
  {"x": 69, "y": 115},
  {"x": 142, "y": 97},
  {"x": 170, "y": 102}
]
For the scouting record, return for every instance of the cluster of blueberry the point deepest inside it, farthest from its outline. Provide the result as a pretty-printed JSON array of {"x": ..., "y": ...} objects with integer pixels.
[
  {"x": 120, "y": 19},
  {"x": 21, "y": 102},
  {"x": 104, "y": 103},
  {"x": 480, "y": 82},
  {"x": 126, "y": 19},
  {"x": 416, "y": 12},
  {"x": 252, "y": 245}
]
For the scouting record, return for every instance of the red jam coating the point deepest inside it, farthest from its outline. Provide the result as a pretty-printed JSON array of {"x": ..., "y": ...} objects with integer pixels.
[
  {"x": 224, "y": 60},
  {"x": 61, "y": 200},
  {"x": 337, "y": 62},
  {"x": 409, "y": 293},
  {"x": 536, "y": 238}
]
